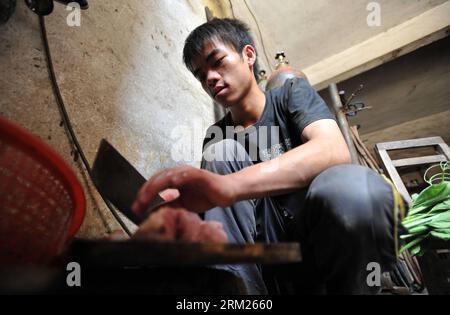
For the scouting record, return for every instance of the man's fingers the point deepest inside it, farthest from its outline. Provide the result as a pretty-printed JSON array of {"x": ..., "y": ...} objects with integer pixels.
[
  {"x": 174, "y": 204},
  {"x": 149, "y": 191},
  {"x": 161, "y": 224},
  {"x": 168, "y": 179},
  {"x": 170, "y": 194}
]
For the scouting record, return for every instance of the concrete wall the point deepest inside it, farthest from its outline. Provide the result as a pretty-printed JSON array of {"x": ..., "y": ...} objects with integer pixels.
[{"x": 122, "y": 79}]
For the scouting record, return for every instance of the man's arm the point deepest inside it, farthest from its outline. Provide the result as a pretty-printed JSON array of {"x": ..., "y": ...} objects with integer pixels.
[
  {"x": 200, "y": 190},
  {"x": 324, "y": 146}
]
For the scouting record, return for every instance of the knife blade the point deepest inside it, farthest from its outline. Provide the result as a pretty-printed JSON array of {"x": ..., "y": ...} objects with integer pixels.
[{"x": 119, "y": 182}]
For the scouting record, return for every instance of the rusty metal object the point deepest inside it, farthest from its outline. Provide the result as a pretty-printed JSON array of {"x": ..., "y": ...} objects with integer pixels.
[
  {"x": 45, "y": 7},
  {"x": 350, "y": 108},
  {"x": 365, "y": 157},
  {"x": 282, "y": 73},
  {"x": 342, "y": 121}
]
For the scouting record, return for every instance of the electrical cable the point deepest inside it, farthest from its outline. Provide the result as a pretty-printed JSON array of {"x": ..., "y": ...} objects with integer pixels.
[
  {"x": 66, "y": 121},
  {"x": 231, "y": 8},
  {"x": 260, "y": 34}
]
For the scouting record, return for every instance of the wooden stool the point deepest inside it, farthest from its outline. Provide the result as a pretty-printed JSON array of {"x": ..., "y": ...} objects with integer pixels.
[{"x": 435, "y": 263}]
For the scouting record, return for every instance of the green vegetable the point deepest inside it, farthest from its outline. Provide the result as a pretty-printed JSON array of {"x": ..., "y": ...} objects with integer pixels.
[{"x": 429, "y": 215}]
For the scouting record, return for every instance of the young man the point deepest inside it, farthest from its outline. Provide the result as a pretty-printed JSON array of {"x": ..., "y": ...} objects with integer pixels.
[{"x": 283, "y": 175}]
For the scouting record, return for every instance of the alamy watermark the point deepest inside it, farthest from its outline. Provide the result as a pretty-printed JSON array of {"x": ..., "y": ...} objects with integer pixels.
[
  {"x": 74, "y": 17},
  {"x": 374, "y": 17},
  {"x": 255, "y": 144},
  {"x": 73, "y": 278},
  {"x": 373, "y": 278}
]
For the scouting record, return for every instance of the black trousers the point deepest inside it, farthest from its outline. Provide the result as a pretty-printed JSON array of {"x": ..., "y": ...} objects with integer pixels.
[{"x": 344, "y": 220}]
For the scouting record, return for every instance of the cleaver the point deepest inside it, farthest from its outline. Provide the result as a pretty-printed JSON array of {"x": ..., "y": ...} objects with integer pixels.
[{"x": 119, "y": 182}]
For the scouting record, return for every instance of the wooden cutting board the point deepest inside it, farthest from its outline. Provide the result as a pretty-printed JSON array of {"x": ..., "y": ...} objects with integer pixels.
[{"x": 145, "y": 253}]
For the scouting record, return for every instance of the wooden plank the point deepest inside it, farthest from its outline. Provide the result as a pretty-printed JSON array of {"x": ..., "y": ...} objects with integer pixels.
[
  {"x": 445, "y": 150},
  {"x": 150, "y": 253},
  {"x": 398, "y": 90},
  {"x": 413, "y": 143},
  {"x": 419, "y": 160},
  {"x": 390, "y": 166},
  {"x": 433, "y": 125},
  {"x": 419, "y": 31}
]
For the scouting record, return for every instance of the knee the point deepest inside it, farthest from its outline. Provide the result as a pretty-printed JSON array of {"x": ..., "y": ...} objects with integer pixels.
[
  {"x": 347, "y": 184},
  {"x": 343, "y": 195}
]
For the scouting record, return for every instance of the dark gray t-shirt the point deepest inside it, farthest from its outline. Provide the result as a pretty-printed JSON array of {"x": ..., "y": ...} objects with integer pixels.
[{"x": 288, "y": 110}]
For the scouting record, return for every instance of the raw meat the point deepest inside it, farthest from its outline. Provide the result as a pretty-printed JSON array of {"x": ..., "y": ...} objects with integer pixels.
[{"x": 176, "y": 224}]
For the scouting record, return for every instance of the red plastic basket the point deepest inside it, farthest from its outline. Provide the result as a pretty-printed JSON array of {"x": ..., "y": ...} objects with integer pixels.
[{"x": 42, "y": 203}]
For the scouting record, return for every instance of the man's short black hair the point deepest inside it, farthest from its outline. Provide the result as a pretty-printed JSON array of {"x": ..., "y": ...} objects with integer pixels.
[{"x": 228, "y": 31}]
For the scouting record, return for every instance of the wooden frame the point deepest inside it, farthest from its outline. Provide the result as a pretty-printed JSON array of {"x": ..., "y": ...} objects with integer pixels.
[
  {"x": 390, "y": 166},
  {"x": 417, "y": 32}
]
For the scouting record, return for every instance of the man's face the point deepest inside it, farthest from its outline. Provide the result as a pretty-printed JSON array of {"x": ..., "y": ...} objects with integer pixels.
[{"x": 225, "y": 74}]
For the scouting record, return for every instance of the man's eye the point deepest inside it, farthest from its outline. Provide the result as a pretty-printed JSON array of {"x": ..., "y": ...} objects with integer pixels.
[{"x": 218, "y": 62}]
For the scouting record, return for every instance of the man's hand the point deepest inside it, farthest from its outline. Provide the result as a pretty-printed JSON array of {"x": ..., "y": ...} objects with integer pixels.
[
  {"x": 170, "y": 223},
  {"x": 198, "y": 190}
]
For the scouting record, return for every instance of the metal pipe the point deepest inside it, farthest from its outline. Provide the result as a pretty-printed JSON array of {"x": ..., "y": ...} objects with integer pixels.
[{"x": 342, "y": 121}]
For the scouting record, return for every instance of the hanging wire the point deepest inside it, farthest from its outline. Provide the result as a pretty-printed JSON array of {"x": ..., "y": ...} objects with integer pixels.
[
  {"x": 260, "y": 35},
  {"x": 443, "y": 175},
  {"x": 231, "y": 8},
  {"x": 67, "y": 123}
]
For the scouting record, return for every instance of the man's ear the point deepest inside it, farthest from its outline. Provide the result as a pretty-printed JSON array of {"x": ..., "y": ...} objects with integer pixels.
[{"x": 249, "y": 54}]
